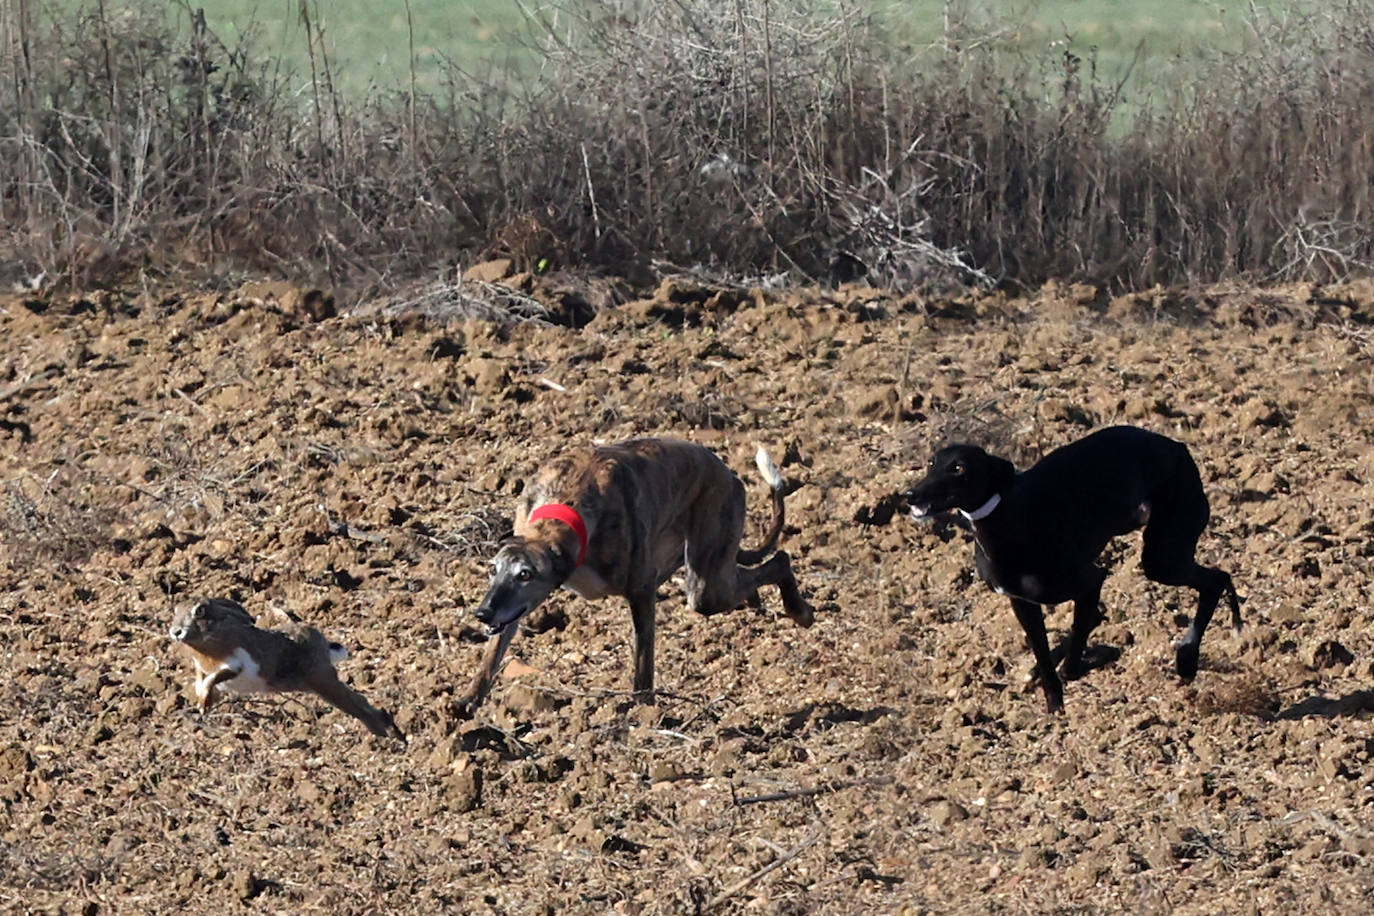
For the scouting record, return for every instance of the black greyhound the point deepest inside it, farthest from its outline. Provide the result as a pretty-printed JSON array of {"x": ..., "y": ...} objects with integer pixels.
[{"x": 1039, "y": 532}]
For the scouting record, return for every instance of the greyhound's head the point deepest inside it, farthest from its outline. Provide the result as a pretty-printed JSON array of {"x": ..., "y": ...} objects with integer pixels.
[
  {"x": 960, "y": 477},
  {"x": 524, "y": 572}
]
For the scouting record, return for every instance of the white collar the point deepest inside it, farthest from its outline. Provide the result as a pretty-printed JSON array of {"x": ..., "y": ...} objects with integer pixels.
[{"x": 984, "y": 510}]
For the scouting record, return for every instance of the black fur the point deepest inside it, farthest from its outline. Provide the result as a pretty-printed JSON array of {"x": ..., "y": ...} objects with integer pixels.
[{"x": 1039, "y": 545}]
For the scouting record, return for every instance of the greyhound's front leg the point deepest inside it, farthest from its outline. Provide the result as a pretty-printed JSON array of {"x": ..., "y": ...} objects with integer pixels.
[
  {"x": 642, "y": 613},
  {"x": 466, "y": 708}
]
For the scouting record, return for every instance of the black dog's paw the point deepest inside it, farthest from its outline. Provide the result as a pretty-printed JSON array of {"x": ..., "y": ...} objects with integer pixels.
[
  {"x": 879, "y": 513},
  {"x": 1186, "y": 661},
  {"x": 1094, "y": 657}
]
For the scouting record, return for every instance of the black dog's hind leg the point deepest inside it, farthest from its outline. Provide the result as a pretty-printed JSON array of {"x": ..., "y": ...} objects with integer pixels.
[
  {"x": 1170, "y": 541},
  {"x": 1210, "y": 583},
  {"x": 1032, "y": 619}
]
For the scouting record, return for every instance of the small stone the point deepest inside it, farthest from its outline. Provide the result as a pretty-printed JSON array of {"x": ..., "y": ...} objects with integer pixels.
[
  {"x": 1287, "y": 612},
  {"x": 489, "y": 271},
  {"x": 946, "y": 812},
  {"x": 1330, "y": 654},
  {"x": 1065, "y": 772},
  {"x": 664, "y": 771},
  {"x": 464, "y": 790}
]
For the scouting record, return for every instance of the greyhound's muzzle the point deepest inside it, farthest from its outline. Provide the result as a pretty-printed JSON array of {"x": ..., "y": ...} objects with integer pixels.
[{"x": 486, "y": 616}]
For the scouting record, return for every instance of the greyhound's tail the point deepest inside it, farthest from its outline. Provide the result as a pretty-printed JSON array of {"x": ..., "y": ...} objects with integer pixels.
[{"x": 773, "y": 477}]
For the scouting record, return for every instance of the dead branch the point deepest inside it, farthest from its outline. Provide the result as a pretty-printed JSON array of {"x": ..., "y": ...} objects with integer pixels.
[
  {"x": 823, "y": 789},
  {"x": 747, "y": 882}
]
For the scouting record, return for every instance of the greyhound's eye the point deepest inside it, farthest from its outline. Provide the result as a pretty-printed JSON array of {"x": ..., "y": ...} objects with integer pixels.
[
  {"x": 524, "y": 575},
  {"x": 958, "y": 468}
]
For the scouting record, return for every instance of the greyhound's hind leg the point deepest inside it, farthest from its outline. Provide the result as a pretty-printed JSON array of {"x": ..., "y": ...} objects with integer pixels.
[{"x": 735, "y": 585}]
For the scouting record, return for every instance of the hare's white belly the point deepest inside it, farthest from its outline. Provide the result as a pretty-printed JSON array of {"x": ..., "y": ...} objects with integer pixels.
[{"x": 249, "y": 680}]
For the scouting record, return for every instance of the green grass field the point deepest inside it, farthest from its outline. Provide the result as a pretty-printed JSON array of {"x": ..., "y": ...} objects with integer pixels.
[{"x": 369, "y": 42}]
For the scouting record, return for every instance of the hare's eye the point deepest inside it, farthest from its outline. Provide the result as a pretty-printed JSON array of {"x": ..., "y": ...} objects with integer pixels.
[{"x": 524, "y": 575}]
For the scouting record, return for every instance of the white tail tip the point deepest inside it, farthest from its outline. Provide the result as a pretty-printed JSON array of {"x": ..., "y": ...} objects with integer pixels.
[
  {"x": 337, "y": 653},
  {"x": 768, "y": 469}
]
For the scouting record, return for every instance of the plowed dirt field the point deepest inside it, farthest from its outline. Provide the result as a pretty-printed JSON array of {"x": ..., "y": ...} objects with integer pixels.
[{"x": 358, "y": 468}]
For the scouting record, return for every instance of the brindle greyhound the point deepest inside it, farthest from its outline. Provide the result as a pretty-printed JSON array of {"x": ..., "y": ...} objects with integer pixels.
[{"x": 619, "y": 520}]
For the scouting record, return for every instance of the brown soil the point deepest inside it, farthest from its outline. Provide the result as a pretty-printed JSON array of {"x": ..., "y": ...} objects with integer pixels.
[{"x": 357, "y": 470}]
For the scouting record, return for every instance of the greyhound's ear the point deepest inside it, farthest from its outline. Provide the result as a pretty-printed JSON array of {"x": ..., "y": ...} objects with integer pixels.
[{"x": 562, "y": 561}]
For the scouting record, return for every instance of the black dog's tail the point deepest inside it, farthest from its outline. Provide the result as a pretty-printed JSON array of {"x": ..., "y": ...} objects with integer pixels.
[{"x": 773, "y": 477}]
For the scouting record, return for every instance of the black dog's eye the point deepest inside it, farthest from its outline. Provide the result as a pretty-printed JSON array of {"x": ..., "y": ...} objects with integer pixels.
[
  {"x": 524, "y": 575},
  {"x": 958, "y": 468}
]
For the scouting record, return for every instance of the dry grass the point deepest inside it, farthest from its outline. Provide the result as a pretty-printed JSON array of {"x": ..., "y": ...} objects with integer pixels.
[{"x": 743, "y": 139}]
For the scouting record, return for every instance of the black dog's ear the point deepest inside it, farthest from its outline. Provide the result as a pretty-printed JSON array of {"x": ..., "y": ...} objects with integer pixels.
[{"x": 1003, "y": 472}]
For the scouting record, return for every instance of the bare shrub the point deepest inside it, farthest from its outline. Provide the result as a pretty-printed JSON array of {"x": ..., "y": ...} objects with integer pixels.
[
  {"x": 446, "y": 301},
  {"x": 50, "y": 521},
  {"x": 473, "y": 533},
  {"x": 736, "y": 139}
]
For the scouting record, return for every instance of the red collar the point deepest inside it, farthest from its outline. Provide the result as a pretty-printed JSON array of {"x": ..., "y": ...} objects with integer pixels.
[{"x": 568, "y": 516}]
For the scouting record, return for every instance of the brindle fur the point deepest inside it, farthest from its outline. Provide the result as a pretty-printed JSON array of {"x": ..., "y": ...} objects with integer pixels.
[{"x": 651, "y": 506}]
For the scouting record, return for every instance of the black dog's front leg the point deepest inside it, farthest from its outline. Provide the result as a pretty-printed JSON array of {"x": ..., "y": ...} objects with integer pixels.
[
  {"x": 1032, "y": 620},
  {"x": 1087, "y": 615}
]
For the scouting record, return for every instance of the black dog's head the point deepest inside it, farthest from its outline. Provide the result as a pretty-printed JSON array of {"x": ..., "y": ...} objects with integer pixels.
[
  {"x": 960, "y": 477},
  {"x": 525, "y": 571}
]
